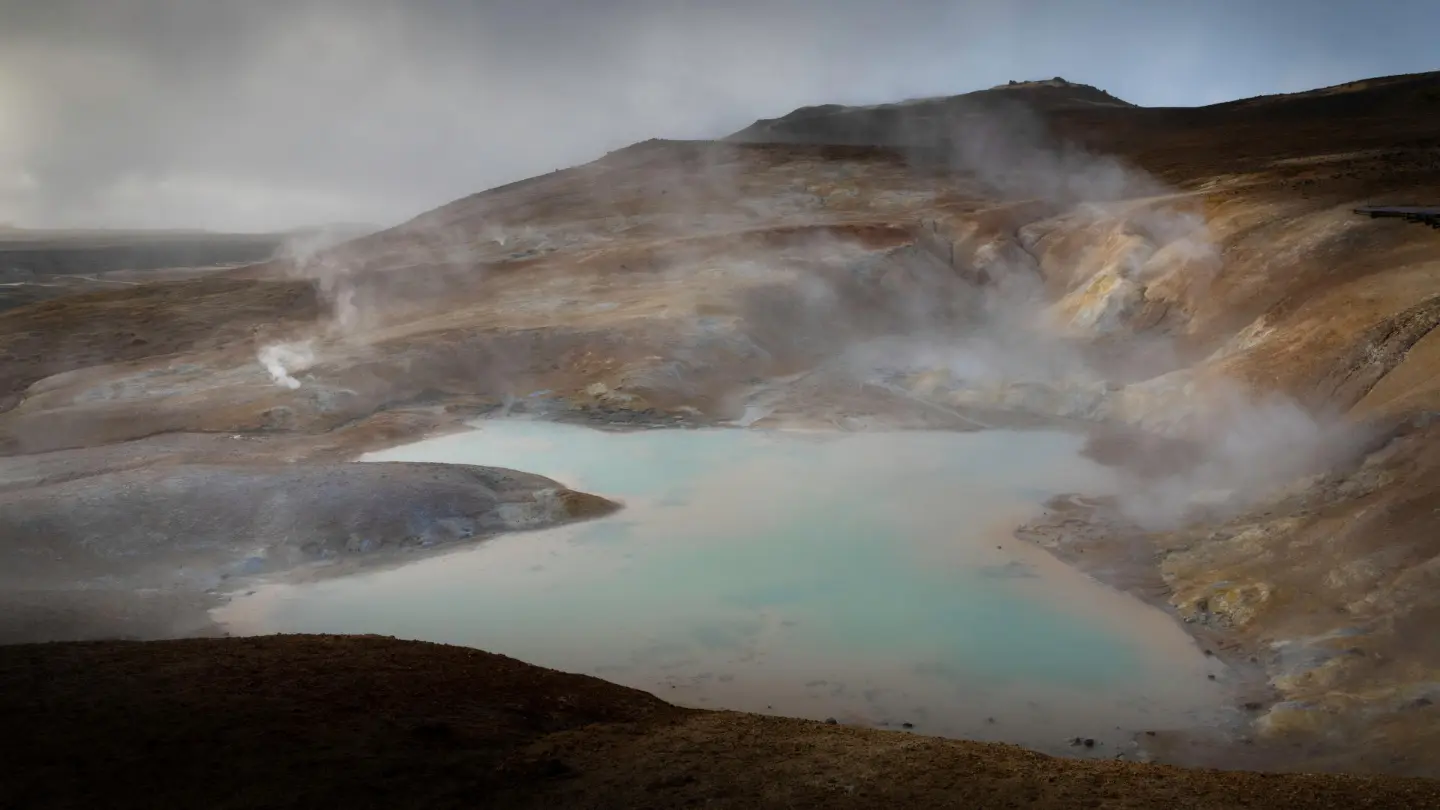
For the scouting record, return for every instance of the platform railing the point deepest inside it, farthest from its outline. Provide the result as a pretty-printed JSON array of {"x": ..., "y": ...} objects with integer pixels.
[{"x": 1410, "y": 213}]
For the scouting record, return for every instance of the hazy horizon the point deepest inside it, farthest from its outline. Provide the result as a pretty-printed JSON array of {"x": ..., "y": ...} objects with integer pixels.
[{"x": 269, "y": 115}]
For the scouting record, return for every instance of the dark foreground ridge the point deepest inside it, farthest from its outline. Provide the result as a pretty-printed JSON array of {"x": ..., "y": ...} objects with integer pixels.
[{"x": 366, "y": 721}]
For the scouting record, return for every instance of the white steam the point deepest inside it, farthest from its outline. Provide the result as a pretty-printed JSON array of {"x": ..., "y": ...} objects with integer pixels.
[
  {"x": 311, "y": 256},
  {"x": 1079, "y": 308},
  {"x": 283, "y": 360},
  {"x": 1250, "y": 445},
  {"x": 1075, "y": 303}
]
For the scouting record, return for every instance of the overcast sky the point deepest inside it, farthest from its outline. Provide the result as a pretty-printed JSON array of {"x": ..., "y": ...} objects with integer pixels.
[{"x": 266, "y": 114}]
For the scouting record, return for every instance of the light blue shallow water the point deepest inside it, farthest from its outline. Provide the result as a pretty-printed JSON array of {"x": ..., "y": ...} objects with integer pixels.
[{"x": 867, "y": 577}]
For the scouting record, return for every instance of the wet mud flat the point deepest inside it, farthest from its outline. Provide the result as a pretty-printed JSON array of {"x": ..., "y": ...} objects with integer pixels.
[{"x": 144, "y": 551}]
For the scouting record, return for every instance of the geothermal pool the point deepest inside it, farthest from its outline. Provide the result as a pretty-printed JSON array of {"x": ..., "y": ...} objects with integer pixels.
[{"x": 869, "y": 578}]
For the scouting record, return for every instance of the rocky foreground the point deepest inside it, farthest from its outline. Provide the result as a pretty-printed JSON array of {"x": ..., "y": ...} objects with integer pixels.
[{"x": 336, "y": 721}]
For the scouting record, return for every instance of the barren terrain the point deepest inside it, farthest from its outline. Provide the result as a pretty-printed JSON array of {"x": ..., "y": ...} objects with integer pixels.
[
  {"x": 1190, "y": 284},
  {"x": 326, "y": 721}
]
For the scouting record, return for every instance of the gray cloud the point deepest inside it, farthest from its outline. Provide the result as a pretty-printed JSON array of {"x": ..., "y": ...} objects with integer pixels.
[{"x": 256, "y": 114}]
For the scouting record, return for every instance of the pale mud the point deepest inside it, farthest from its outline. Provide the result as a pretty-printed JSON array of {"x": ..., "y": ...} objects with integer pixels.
[{"x": 137, "y": 552}]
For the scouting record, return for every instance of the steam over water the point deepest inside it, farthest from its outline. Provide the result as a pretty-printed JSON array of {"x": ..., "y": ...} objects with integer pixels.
[{"x": 869, "y": 577}]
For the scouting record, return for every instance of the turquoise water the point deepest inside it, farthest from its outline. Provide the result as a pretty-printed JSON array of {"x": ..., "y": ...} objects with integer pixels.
[{"x": 866, "y": 577}]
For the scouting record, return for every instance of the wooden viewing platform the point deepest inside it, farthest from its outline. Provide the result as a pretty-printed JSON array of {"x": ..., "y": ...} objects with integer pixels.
[{"x": 1410, "y": 213}]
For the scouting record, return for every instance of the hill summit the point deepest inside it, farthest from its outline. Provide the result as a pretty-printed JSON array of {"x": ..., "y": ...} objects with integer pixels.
[
  {"x": 909, "y": 120},
  {"x": 1069, "y": 93}
]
